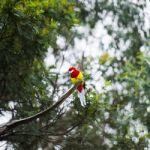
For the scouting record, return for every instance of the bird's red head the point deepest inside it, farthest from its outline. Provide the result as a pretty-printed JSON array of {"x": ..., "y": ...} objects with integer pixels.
[{"x": 73, "y": 71}]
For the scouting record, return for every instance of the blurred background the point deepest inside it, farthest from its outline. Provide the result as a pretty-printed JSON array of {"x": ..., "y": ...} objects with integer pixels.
[{"x": 109, "y": 40}]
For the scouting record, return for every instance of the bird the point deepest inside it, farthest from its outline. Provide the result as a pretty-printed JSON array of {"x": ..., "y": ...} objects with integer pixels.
[{"x": 76, "y": 76}]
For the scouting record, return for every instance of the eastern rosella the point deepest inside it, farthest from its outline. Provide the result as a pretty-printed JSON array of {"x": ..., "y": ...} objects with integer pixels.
[{"x": 76, "y": 76}]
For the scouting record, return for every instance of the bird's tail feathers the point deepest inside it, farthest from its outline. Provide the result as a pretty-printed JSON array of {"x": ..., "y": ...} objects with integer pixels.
[{"x": 81, "y": 96}]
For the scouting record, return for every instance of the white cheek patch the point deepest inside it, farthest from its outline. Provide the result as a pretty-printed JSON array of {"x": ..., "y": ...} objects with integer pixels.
[{"x": 70, "y": 71}]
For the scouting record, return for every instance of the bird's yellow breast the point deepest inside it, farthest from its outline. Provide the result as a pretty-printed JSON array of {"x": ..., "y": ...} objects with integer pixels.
[{"x": 77, "y": 79}]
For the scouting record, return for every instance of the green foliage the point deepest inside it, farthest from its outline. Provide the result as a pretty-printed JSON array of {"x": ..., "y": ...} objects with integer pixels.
[
  {"x": 116, "y": 116},
  {"x": 27, "y": 30}
]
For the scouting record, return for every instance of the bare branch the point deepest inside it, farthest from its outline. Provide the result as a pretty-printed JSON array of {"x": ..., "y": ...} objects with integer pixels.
[{"x": 5, "y": 128}]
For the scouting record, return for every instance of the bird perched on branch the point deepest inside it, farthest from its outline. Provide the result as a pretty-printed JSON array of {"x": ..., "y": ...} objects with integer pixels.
[{"x": 76, "y": 76}]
